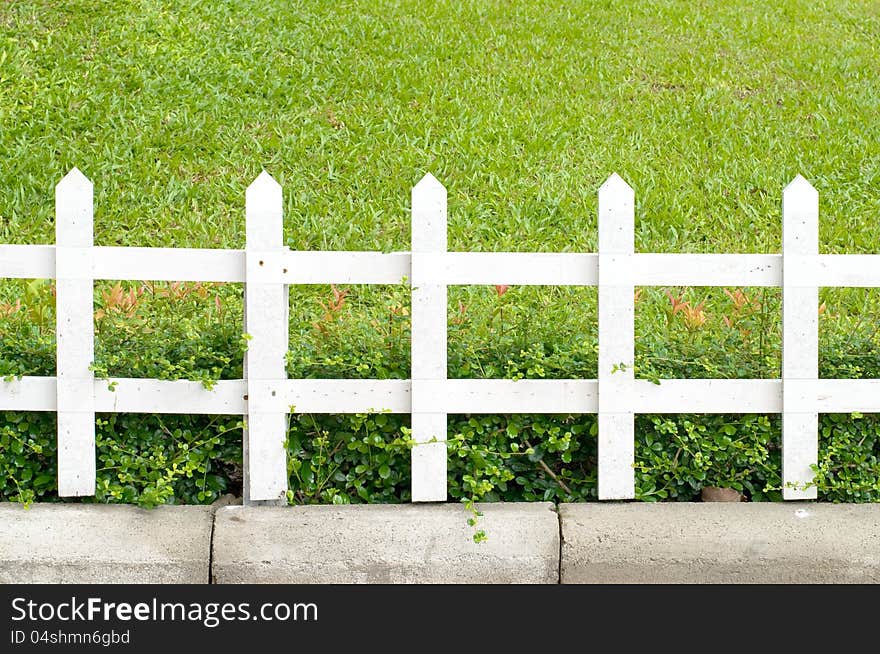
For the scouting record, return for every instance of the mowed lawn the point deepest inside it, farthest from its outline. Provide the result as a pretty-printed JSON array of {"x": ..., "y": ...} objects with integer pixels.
[{"x": 521, "y": 109}]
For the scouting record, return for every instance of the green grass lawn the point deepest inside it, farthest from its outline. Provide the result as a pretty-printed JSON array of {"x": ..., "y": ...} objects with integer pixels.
[{"x": 522, "y": 110}]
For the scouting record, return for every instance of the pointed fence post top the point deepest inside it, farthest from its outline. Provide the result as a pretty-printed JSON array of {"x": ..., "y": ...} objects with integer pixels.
[
  {"x": 429, "y": 215},
  {"x": 264, "y": 182},
  {"x": 616, "y": 216},
  {"x": 74, "y": 180},
  {"x": 74, "y": 220},
  {"x": 263, "y": 213},
  {"x": 800, "y": 217},
  {"x": 799, "y": 186},
  {"x": 429, "y": 185},
  {"x": 615, "y": 185}
]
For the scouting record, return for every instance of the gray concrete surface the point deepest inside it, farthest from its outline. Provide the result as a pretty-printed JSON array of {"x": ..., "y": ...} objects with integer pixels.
[
  {"x": 98, "y": 543},
  {"x": 720, "y": 543},
  {"x": 386, "y": 544},
  {"x": 602, "y": 543}
]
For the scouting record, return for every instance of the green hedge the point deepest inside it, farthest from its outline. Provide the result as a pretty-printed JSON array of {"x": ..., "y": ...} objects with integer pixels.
[{"x": 192, "y": 331}]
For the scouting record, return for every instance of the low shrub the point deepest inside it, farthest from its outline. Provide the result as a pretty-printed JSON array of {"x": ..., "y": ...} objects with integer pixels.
[{"x": 193, "y": 331}]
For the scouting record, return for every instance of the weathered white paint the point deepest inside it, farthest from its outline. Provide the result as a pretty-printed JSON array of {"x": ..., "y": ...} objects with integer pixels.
[
  {"x": 428, "y": 344},
  {"x": 75, "y": 335},
  {"x": 266, "y": 321},
  {"x": 800, "y": 338},
  {"x": 616, "y": 340}
]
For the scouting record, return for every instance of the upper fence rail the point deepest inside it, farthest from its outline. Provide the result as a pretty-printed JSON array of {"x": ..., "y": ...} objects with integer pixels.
[
  {"x": 451, "y": 268},
  {"x": 265, "y": 396}
]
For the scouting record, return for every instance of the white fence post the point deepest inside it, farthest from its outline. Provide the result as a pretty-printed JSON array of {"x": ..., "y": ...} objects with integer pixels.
[
  {"x": 800, "y": 338},
  {"x": 428, "y": 339},
  {"x": 616, "y": 340},
  {"x": 75, "y": 335},
  {"x": 266, "y": 321}
]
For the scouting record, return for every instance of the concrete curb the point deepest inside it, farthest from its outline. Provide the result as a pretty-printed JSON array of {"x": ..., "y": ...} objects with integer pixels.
[
  {"x": 720, "y": 543},
  {"x": 102, "y": 543},
  {"x": 401, "y": 543},
  {"x": 405, "y": 543}
]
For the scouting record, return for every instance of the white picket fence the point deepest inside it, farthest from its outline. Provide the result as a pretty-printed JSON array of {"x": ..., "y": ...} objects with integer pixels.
[{"x": 266, "y": 396}]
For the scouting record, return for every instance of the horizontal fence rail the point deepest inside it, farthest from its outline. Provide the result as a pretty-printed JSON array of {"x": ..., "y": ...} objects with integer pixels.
[
  {"x": 227, "y": 397},
  {"x": 451, "y": 268},
  {"x": 265, "y": 396}
]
